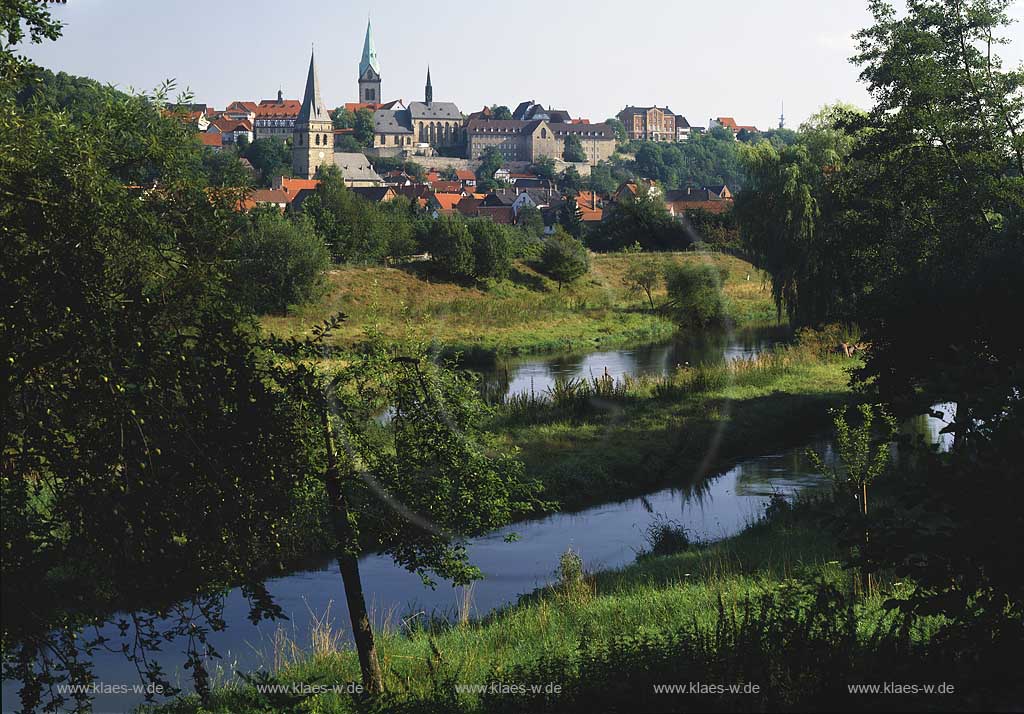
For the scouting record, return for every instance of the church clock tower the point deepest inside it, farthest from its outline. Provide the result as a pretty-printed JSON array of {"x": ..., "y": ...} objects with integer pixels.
[
  {"x": 369, "y": 70},
  {"x": 313, "y": 136}
]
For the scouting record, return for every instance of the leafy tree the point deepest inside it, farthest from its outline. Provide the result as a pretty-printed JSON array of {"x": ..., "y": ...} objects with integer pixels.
[
  {"x": 451, "y": 247},
  {"x": 570, "y": 181},
  {"x": 574, "y": 149},
  {"x": 702, "y": 160},
  {"x": 363, "y": 127},
  {"x": 531, "y": 221},
  {"x": 544, "y": 168},
  {"x": 570, "y": 218},
  {"x": 223, "y": 168},
  {"x": 501, "y": 112},
  {"x": 346, "y": 143},
  {"x": 129, "y": 380},
  {"x": 271, "y": 157},
  {"x": 344, "y": 118},
  {"x": 643, "y": 275},
  {"x": 421, "y": 484},
  {"x": 563, "y": 258},
  {"x": 864, "y": 456},
  {"x": 279, "y": 262},
  {"x": 695, "y": 295},
  {"x": 640, "y": 219},
  {"x": 490, "y": 161},
  {"x": 356, "y": 230},
  {"x": 621, "y": 137},
  {"x": 602, "y": 180},
  {"x": 492, "y": 249}
]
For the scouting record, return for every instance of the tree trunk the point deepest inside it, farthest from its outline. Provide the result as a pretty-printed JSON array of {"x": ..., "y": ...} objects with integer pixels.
[
  {"x": 348, "y": 565},
  {"x": 866, "y": 579},
  {"x": 650, "y": 300}
]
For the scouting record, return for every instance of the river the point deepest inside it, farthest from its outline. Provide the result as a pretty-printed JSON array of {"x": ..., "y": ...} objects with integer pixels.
[{"x": 606, "y": 536}]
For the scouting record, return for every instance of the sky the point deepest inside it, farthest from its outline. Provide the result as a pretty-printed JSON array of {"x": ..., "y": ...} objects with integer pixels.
[{"x": 744, "y": 58}]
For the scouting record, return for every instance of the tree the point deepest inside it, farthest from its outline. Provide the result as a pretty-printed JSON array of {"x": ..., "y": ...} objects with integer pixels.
[
  {"x": 279, "y": 262},
  {"x": 602, "y": 179},
  {"x": 223, "y": 168},
  {"x": 530, "y": 221},
  {"x": 490, "y": 161},
  {"x": 271, "y": 157},
  {"x": 695, "y": 295},
  {"x": 451, "y": 247},
  {"x": 501, "y": 112},
  {"x": 563, "y": 258},
  {"x": 640, "y": 219},
  {"x": 492, "y": 250},
  {"x": 573, "y": 151},
  {"x": 544, "y": 168},
  {"x": 643, "y": 275},
  {"x": 422, "y": 484},
  {"x": 344, "y": 118},
  {"x": 131, "y": 380},
  {"x": 864, "y": 456},
  {"x": 570, "y": 181},
  {"x": 570, "y": 218},
  {"x": 363, "y": 127},
  {"x": 621, "y": 137},
  {"x": 355, "y": 230}
]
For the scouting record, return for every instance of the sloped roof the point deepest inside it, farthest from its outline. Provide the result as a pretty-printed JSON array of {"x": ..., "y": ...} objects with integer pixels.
[
  {"x": 377, "y": 194},
  {"x": 464, "y": 175},
  {"x": 355, "y": 167},
  {"x": 272, "y": 108},
  {"x": 211, "y": 139},
  {"x": 313, "y": 108},
  {"x": 391, "y": 121},
  {"x": 434, "y": 110},
  {"x": 448, "y": 201}
]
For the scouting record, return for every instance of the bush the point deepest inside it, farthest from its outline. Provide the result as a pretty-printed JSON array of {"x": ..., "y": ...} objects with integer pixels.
[
  {"x": 279, "y": 262},
  {"x": 492, "y": 249},
  {"x": 451, "y": 247},
  {"x": 563, "y": 258},
  {"x": 695, "y": 294},
  {"x": 666, "y": 537}
]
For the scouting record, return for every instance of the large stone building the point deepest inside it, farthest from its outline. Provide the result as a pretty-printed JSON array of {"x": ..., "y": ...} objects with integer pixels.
[
  {"x": 313, "y": 135},
  {"x": 650, "y": 123},
  {"x": 522, "y": 140},
  {"x": 420, "y": 125}
]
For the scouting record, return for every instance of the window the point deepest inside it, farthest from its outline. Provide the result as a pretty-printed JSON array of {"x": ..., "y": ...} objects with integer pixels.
[
  {"x": 543, "y": 132},
  {"x": 318, "y": 140}
]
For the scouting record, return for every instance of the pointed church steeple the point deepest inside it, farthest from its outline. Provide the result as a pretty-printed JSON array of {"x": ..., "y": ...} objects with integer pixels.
[
  {"x": 313, "y": 130},
  {"x": 428, "y": 95},
  {"x": 313, "y": 108},
  {"x": 369, "y": 58},
  {"x": 369, "y": 70}
]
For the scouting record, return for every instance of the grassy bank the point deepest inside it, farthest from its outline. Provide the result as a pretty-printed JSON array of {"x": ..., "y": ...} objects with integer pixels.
[
  {"x": 526, "y": 313},
  {"x": 766, "y": 607},
  {"x": 596, "y": 440}
]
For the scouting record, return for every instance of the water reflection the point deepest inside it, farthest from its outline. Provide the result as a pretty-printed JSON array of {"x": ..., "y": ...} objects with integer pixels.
[{"x": 523, "y": 375}]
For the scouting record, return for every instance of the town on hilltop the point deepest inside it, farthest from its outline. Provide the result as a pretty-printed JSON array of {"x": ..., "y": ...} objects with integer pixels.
[{"x": 488, "y": 163}]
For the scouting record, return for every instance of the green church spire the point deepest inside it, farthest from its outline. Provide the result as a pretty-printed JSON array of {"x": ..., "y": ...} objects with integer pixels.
[{"x": 369, "y": 58}]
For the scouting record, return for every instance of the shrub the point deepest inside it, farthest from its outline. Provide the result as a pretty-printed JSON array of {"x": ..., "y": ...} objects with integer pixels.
[
  {"x": 451, "y": 247},
  {"x": 563, "y": 258},
  {"x": 492, "y": 249},
  {"x": 279, "y": 262},
  {"x": 695, "y": 294},
  {"x": 665, "y": 537}
]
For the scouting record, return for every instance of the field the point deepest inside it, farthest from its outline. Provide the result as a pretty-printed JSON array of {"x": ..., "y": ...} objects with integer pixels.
[{"x": 526, "y": 313}]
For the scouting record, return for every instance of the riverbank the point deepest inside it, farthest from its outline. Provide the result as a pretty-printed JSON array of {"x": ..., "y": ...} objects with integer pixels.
[
  {"x": 524, "y": 314},
  {"x": 591, "y": 441},
  {"x": 766, "y": 607}
]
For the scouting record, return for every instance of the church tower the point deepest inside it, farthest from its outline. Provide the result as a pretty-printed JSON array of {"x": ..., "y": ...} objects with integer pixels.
[
  {"x": 428, "y": 94},
  {"x": 313, "y": 135},
  {"x": 369, "y": 70}
]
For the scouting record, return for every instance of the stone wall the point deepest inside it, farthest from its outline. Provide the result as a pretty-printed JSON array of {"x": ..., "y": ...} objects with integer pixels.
[{"x": 438, "y": 163}]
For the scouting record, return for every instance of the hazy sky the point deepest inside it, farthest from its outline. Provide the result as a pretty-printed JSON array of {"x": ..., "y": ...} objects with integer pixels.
[{"x": 740, "y": 58}]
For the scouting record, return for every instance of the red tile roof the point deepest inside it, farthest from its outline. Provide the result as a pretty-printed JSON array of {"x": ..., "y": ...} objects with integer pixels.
[
  {"x": 274, "y": 108},
  {"x": 448, "y": 201},
  {"x": 208, "y": 139},
  {"x": 464, "y": 175},
  {"x": 446, "y": 186},
  {"x": 727, "y": 122}
]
